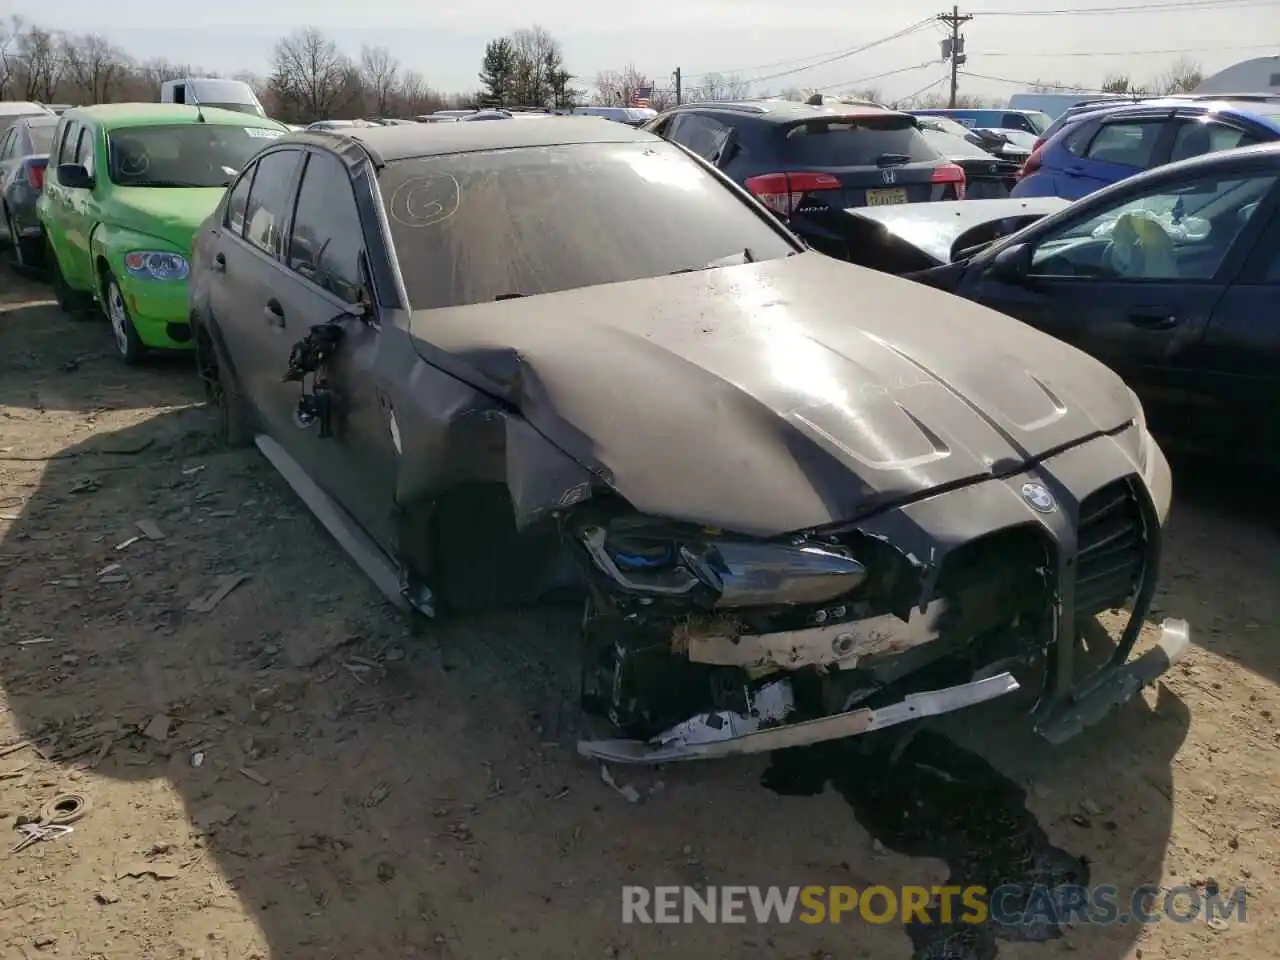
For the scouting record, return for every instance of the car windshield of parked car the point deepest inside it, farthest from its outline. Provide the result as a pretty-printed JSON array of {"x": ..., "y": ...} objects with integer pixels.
[
  {"x": 857, "y": 142},
  {"x": 476, "y": 227},
  {"x": 944, "y": 125},
  {"x": 186, "y": 155},
  {"x": 1180, "y": 232}
]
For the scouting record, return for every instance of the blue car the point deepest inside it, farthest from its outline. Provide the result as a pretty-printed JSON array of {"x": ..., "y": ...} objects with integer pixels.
[{"x": 1104, "y": 146}]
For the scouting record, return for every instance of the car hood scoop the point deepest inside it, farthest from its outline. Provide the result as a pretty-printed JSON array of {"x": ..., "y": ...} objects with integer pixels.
[{"x": 780, "y": 395}]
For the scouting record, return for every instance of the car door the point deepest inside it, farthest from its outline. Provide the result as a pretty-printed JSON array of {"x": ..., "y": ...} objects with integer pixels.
[
  {"x": 357, "y": 463},
  {"x": 1118, "y": 149},
  {"x": 246, "y": 301},
  {"x": 77, "y": 264},
  {"x": 1134, "y": 281},
  {"x": 8, "y": 151},
  {"x": 54, "y": 200},
  {"x": 1235, "y": 391}
]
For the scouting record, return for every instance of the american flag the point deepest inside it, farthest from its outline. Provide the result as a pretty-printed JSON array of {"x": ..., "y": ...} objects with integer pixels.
[{"x": 640, "y": 98}]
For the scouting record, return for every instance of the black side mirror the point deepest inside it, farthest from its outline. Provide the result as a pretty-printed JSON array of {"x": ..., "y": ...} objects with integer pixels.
[
  {"x": 1012, "y": 264},
  {"x": 75, "y": 176}
]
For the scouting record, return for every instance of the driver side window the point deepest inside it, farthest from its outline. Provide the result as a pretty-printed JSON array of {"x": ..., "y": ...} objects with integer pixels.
[{"x": 1180, "y": 233}]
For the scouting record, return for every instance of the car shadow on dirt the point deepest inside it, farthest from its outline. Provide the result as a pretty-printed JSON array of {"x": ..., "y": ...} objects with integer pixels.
[{"x": 327, "y": 783}]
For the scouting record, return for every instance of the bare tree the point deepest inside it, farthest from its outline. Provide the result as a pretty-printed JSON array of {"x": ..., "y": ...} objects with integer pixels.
[
  {"x": 537, "y": 58},
  {"x": 151, "y": 74},
  {"x": 1183, "y": 76},
  {"x": 618, "y": 87},
  {"x": 720, "y": 86},
  {"x": 39, "y": 55},
  {"x": 96, "y": 68},
  {"x": 9, "y": 34},
  {"x": 381, "y": 75},
  {"x": 662, "y": 98},
  {"x": 416, "y": 96},
  {"x": 310, "y": 76}
]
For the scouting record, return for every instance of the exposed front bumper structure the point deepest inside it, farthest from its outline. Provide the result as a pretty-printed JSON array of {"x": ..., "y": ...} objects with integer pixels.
[{"x": 1117, "y": 523}]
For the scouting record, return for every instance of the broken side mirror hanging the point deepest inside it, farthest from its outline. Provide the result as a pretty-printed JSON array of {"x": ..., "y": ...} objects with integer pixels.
[{"x": 310, "y": 356}]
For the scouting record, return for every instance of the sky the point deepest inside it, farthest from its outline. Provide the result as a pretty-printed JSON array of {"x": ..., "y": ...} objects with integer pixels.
[{"x": 1017, "y": 41}]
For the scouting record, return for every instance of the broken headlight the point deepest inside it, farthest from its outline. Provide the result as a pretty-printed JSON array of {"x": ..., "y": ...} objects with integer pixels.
[{"x": 742, "y": 573}]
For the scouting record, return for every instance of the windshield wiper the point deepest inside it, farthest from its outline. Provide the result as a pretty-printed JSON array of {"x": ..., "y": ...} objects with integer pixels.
[
  {"x": 892, "y": 159},
  {"x": 733, "y": 259}
]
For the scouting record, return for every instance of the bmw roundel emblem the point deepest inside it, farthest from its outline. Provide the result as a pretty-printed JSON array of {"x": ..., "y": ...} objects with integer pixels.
[{"x": 1039, "y": 498}]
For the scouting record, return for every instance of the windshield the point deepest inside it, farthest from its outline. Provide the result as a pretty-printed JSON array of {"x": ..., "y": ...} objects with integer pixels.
[
  {"x": 1039, "y": 121},
  {"x": 187, "y": 155},
  {"x": 856, "y": 141},
  {"x": 250, "y": 108},
  {"x": 476, "y": 227},
  {"x": 952, "y": 147},
  {"x": 944, "y": 125}
]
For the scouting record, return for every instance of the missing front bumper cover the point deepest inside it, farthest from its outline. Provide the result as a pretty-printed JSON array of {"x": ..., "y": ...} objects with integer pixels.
[{"x": 709, "y": 736}]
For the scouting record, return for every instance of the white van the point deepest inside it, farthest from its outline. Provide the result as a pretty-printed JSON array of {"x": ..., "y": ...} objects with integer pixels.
[{"x": 212, "y": 92}]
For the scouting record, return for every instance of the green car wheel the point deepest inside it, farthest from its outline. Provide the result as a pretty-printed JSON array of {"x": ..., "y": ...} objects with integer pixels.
[{"x": 128, "y": 343}]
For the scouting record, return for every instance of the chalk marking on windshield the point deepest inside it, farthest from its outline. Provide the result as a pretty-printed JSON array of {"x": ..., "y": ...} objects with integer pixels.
[{"x": 425, "y": 200}]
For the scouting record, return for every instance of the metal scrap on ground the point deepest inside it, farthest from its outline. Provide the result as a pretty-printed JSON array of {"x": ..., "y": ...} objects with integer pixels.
[{"x": 226, "y": 584}]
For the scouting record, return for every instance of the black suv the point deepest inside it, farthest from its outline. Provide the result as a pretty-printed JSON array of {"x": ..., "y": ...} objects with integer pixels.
[{"x": 810, "y": 163}]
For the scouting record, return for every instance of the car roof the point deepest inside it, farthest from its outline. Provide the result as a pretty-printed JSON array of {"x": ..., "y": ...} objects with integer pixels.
[
  {"x": 402, "y": 142},
  {"x": 1225, "y": 106},
  {"x": 788, "y": 111},
  {"x": 112, "y": 115},
  {"x": 9, "y": 108}
]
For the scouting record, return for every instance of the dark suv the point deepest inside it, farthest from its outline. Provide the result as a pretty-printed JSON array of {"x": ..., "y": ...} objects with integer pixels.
[{"x": 811, "y": 163}]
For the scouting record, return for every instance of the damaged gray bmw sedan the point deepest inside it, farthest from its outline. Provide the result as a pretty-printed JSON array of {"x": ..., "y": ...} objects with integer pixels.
[{"x": 803, "y": 500}]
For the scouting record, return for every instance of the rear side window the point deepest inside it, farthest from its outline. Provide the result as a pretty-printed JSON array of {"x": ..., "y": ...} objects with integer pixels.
[
  {"x": 1197, "y": 137},
  {"x": 476, "y": 227},
  {"x": 271, "y": 200},
  {"x": 705, "y": 136},
  {"x": 41, "y": 138},
  {"x": 855, "y": 142},
  {"x": 1077, "y": 138},
  {"x": 1127, "y": 143}
]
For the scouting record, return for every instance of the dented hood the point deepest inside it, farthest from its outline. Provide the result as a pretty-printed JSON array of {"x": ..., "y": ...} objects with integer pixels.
[{"x": 781, "y": 395}]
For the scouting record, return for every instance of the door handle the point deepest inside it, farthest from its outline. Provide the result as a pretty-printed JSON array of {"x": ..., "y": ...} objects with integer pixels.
[
  {"x": 274, "y": 313},
  {"x": 1153, "y": 319},
  {"x": 219, "y": 263}
]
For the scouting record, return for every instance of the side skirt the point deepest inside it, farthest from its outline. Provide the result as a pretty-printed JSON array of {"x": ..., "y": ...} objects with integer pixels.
[{"x": 368, "y": 556}]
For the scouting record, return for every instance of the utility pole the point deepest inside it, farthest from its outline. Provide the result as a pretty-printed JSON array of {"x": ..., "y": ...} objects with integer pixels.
[
  {"x": 678, "y": 90},
  {"x": 953, "y": 46}
]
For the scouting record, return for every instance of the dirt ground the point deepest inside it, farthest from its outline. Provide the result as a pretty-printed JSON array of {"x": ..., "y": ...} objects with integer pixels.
[{"x": 292, "y": 775}]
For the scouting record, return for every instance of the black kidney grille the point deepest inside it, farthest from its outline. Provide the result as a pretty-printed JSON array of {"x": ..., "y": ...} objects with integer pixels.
[{"x": 1112, "y": 548}]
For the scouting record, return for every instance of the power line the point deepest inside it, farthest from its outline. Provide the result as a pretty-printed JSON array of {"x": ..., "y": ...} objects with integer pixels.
[
  {"x": 927, "y": 87},
  {"x": 1173, "y": 7},
  {"x": 877, "y": 76},
  {"x": 1126, "y": 53},
  {"x": 919, "y": 25},
  {"x": 1070, "y": 88},
  {"x": 822, "y": 58}
]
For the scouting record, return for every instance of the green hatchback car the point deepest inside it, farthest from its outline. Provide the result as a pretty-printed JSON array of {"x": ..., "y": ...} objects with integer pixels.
[{"x": 128, "y": 186}]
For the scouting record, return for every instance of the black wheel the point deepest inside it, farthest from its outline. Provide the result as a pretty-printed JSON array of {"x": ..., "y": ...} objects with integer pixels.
[
  {"x": 128, "y": 344},
  {"x": 71, "y": 301},
  {"x": 234, "y": 416}
]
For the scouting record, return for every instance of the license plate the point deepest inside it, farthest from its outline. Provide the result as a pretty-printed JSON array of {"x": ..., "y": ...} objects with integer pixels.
[{"x": 881, "y": 198}]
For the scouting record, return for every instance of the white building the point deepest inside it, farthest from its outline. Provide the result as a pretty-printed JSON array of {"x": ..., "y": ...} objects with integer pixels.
[{"x": 1260, "y": 75}]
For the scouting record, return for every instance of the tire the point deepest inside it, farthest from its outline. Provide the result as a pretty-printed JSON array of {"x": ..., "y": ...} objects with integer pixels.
[
  {"x": 20, "y": 250},
  {"x": 233, "y": 414},
  {"x": 72, "y": 302},
  {"x": 128, "y": 344}
]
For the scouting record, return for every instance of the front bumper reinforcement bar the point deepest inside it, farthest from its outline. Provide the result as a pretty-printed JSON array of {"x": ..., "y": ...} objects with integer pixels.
[{"x": 915, "y": 706}]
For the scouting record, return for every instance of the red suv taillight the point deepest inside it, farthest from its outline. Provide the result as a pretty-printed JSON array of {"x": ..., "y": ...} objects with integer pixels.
[
  {"x": 951, "y": 173},
  {"x": 35, "y": 176},
  {"x": 781, "y": 192},
  {"x": 1032, "y": 163}
]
